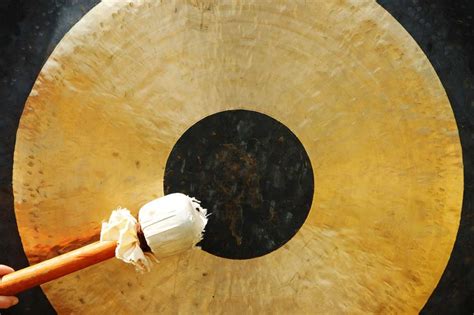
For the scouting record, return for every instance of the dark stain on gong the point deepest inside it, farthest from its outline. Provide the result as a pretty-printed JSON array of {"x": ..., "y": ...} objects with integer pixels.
[{"x": 251, "y": 173}]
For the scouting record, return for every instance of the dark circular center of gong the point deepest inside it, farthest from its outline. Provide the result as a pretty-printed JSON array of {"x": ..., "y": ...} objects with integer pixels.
[{"x": 251, "y": 173}]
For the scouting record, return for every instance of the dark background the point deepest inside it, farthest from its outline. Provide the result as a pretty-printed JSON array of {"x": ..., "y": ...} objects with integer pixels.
[{"x": 30, "y": 29}]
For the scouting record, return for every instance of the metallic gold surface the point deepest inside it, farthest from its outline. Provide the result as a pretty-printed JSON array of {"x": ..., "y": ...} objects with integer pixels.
[{"x": 344, "y": 76}]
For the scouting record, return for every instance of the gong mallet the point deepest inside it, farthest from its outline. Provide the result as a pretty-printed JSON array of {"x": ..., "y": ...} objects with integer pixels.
[{"x": 166, "y": 226}]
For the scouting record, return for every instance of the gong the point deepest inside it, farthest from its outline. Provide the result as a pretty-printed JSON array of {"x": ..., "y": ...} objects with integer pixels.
[{"x": 325, "y": 147}]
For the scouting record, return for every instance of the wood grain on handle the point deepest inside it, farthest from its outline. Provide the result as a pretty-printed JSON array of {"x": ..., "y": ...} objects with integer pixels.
[{"x": 56, "y": 267}]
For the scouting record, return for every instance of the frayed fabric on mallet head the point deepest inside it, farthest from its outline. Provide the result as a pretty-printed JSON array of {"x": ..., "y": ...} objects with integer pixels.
[
  {"x": 123, "y": 228},
  {"x": 170, "y": 224}
]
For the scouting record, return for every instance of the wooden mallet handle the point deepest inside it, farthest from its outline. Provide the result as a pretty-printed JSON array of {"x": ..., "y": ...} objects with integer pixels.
[{"x": 56, "y": 267}]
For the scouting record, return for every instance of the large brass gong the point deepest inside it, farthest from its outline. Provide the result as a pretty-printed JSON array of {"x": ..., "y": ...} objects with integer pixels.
[{"x": 131, "y": 77}]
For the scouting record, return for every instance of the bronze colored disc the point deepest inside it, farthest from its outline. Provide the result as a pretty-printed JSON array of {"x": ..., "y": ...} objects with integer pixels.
[{"x": 130, "y": 78}]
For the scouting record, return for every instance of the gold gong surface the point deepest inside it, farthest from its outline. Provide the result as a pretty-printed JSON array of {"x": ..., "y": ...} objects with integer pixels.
[{"x": 130, "y": 78}]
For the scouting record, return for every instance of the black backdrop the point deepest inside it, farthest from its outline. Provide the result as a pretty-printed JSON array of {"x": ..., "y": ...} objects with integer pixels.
[{"x": 444, "y": 29}]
